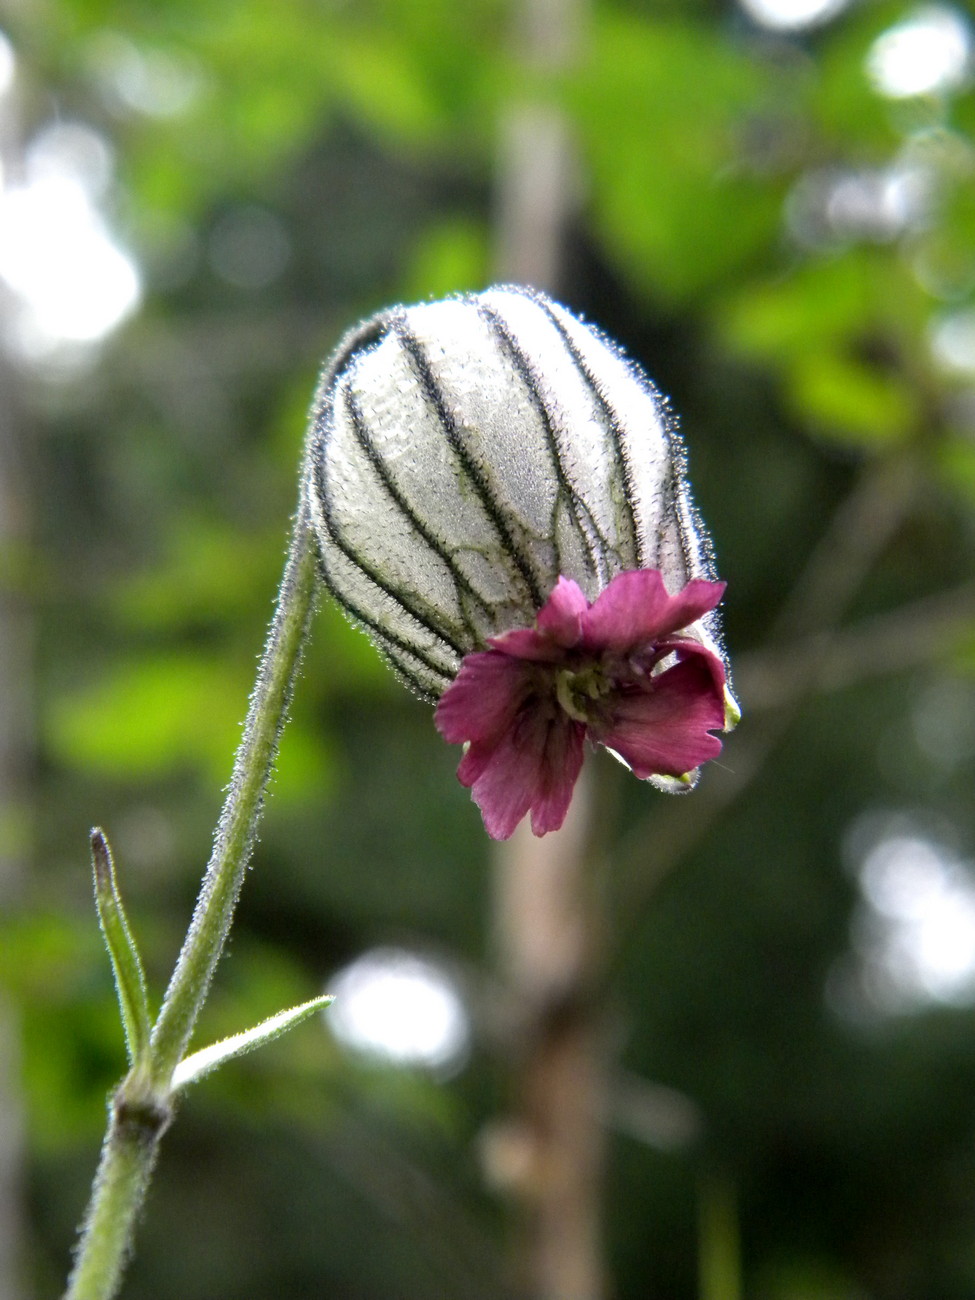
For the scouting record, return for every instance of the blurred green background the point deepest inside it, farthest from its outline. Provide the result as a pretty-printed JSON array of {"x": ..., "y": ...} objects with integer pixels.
[{"x": 773, "y": 209}]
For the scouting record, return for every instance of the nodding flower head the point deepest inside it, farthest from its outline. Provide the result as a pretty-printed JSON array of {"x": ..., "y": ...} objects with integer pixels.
[{"x": 499, "y": 498}]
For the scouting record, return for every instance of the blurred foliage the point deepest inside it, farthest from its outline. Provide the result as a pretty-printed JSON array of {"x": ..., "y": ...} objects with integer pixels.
[{"x": 795, "y": 337}]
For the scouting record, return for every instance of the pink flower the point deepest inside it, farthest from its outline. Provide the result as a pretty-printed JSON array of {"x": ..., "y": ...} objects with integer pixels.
[{"x": 525, "y": 706}]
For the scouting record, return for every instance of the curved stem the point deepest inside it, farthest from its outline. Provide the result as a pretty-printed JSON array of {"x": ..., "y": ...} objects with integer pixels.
[
  {"x": 142, "y": 1107},
  {"x": 237, "y": 827}
]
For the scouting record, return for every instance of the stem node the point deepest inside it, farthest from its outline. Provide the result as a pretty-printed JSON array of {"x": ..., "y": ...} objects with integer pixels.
[{"x": 140, "y": 1119}]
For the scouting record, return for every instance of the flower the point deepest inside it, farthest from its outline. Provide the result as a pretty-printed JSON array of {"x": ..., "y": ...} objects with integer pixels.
[
  {"x": 615, "y": 671},
  {"x": 500, "y": 500}
]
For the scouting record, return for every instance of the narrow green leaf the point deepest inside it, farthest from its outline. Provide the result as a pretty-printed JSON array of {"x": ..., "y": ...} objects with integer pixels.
[
  {"x": 130, "y": 979},
  {"x": 201, "y": 1063}
]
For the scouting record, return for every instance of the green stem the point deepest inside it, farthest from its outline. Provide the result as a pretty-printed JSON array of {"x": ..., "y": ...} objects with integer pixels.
[
  {"x": 124, "y": 1168},
  {"x": 141, "y": 1107},
  {"x": 237, "y": 828}
]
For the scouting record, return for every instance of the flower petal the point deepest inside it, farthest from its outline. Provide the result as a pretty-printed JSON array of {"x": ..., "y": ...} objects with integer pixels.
[
  {"x": 483, "y": 700},
  {"x": 664, "y": 729},
  {"x": 636, "y": 608},
  {"x": 524, "y": 753},
  {"x": 527, "y": 643},
  {"x": 558, "y": 627},
  {"x": 686, "y": 647},
  {"x": 564, "y": 753},
  {"x": 532, "y": 767},
  {"x": 562, "y": 615}
]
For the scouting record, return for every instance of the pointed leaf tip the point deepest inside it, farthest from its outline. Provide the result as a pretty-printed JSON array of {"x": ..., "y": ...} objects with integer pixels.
[
  {"x": 201, "y": 1063},
  {"x": 101, "y": 856},
  {"x": 130, "y": 979}
]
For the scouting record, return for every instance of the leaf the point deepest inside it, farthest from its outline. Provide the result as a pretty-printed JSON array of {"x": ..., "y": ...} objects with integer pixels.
[
  {"x": 405, "y": 109},
  {"x": 130, "y": 978},
  {"x": 661, "y": 107},
  {"x": 955, "y": 460},
  {"x": 201, "y": 1063},
  {"x": 816, "y": 304},
  {"x": 451, "y": 255},
  {"x": 209, "y": 574},
  {"x": 851, "y": 401},
  {"x": 153, "y": 715}
]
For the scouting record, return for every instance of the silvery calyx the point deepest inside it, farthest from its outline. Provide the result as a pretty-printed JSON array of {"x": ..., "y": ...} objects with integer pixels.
[{"x": 482, "y": 470}]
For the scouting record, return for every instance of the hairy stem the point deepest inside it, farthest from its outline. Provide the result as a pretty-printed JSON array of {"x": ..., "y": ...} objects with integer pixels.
[
  {"x": 142, "y": 1107},
  {"x": 237, "y": 828},
  {"x": 124, "y": 1169}
]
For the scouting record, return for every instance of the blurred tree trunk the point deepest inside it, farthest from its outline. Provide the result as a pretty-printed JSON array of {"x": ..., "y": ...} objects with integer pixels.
[
  {"x": 547, "y": 1156},
  {"x": 537, "y": 180},
  {"x": 16, "y": 751}
]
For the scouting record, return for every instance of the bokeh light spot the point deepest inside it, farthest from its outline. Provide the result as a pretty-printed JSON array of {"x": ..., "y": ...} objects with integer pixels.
[
  {"x": 928, "y": 53},
  {"x": 393, "y": 1005},
  {"x": 792, "y": 15},
  {"x": 8, "y": 64},
  {"x": 914, "y": 931},
  {"x": 73, "y": 283}
]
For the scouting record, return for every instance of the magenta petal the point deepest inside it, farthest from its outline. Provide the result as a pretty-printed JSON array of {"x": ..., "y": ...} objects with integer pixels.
[
  {"x": 688, "y": 648},
  {"x": 524, "y": 753},
  {"x": 663, "y": 730},
  {"x": 532, "y": 767},
  {"x": 525, "y": 742},
  {"x": 635, "y": 608},
  {"x": 558, "y": 627},
  {"x": 503, "y": 800},
  {"x": 526, "y": 643},
  {"x": 564, "y": 752},
  {"x": 483, "y": 699},
  {"x": 562, "y": 615}
]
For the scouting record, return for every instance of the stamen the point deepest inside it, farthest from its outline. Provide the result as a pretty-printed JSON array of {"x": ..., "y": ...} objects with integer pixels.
[{"x": 575, "y": 690}]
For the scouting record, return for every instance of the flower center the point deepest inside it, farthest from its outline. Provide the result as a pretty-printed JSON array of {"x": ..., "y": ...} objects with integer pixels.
[{"x": 577, "y": 689}]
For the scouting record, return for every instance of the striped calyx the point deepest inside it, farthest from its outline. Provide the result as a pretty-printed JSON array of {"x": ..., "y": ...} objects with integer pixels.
[{"x": 465, "y": 454}]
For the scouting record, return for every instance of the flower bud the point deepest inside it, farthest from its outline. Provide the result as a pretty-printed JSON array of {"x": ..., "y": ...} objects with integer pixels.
[
  {"x": 468, "y": 453},
  {"x": 500, "y": 500}
]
